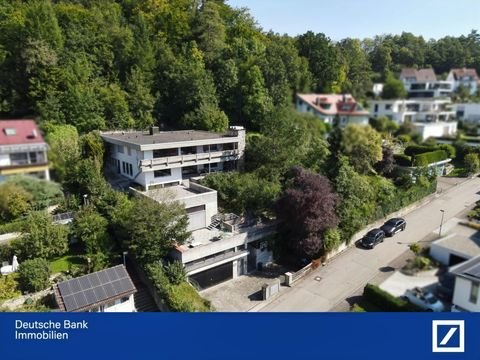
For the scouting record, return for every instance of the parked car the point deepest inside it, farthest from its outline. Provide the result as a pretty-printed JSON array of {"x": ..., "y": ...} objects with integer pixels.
[
  {"x": 372, "y": 238},
  {"x": 393, "y": 226},
  {"x": 424, "y": 299}
]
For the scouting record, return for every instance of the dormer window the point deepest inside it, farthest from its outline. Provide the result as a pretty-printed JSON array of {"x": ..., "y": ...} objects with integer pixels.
[{"x": 10, "y": 131}]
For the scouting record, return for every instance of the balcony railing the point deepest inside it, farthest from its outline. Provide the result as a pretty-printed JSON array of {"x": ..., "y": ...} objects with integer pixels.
[{"x": 188, "y": 159}]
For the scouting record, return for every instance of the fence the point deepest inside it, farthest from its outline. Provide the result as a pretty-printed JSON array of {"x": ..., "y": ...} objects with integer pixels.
[{"x": 291, "y": 278}]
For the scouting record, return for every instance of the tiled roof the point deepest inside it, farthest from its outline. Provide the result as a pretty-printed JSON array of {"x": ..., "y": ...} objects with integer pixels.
[
  {"x": 421, "y": 75},
  {"x": 19, "y": 132},
  {"x": 334, "y": 104},
  {"x": 459, "y": 73}
]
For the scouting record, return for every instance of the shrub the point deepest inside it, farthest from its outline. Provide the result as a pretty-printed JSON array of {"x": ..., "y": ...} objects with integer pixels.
[
  {"x": 413, "y": 150},
  {"x": 385, "y": 301},
  {"x": 44, "y": 193},
  {"x": 357, "y": 308},
  {"x": 422, "y": 262},
  {"x": 8, "y": 287},
  {"x": 33, "y": 275},
  {"x": 402, "y": 160},
  {"x": 416, "y": 249},
  {"x": 429, "y": 158},
  {"x": 331, "y": 239},
  {"x": 175, "y": 272}
]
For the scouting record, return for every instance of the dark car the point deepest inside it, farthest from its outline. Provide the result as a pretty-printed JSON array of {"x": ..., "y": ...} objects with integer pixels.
[
  {"x": 392, "y": 226},
  {"x": 372, "y": 238}
]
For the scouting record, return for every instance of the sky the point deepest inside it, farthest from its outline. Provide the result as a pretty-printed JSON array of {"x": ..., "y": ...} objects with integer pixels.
[{"x": 339, "y": 19}]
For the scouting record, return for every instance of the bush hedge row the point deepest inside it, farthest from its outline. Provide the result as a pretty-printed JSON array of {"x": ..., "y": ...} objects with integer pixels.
[
  {"x": 413, "y": 150},
  {"x": 385, "y": 301},
  {"x": 402, "y": 160},
  {"x": 429, "y": 158}
]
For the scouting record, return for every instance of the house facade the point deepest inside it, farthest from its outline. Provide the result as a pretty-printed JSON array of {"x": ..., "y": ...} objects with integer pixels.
[
  {"x": 164, "y": 158},
  {"x": 411, "y": 76},
  {"x": 108, "y": 290},
  {"x": 468, "y": 112},
  {"x": 23, "y": 151},
  {"x": 430, "y": 117},
  {"x": 331, "y": 108},
  {"x": 464, "y": 77},
  {"x": 466, "y": 295}
]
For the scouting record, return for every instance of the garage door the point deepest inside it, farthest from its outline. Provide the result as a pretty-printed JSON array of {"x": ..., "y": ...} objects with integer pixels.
[
  {"x": 213, "y": 276},
  {"x": 196, "y": 218}
]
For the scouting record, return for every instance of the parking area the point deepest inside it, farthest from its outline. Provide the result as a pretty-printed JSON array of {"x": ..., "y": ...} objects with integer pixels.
[
  {"x": 398, "y": 283},
  {"x": 240, "y": 294}
]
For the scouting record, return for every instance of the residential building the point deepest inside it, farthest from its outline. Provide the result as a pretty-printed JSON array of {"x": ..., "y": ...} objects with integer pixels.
[
  {"x": 22, "y": 149},
  {"x": 430, "y": 117},
  {"x": 412, "y": 76},
  {"x": 332, "y": 107},
  {"x": 468, "y": 112},
  {"x": 164, "y": 158},
  {"x": 108, "y": 290},
  {"x": 466, "y": 295},
  {"x": 464, "y": 77}
]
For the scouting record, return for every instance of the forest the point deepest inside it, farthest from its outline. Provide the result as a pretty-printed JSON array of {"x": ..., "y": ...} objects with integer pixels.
[{"x": 129, "y": 64}]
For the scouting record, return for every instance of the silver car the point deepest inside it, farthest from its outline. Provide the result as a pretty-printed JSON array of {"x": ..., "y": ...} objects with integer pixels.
[{"x": 424, "y": 299}]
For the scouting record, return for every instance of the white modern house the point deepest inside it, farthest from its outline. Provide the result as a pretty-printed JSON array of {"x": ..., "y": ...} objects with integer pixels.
[
  {"x": 23, "y": 151},
  {"x": 108, "y": 290},
  {"x": 163, "y": 158},
  {"x": 466, "y": 295},
  {"x": 423, "y": 83},
  {"x": 431, "y": 117},
  {"x": 411, "y": 76},
  {"x": 464, "y": 77},
  {"x": 468, "y": 112},
  {"x": 333, "y": 107}
]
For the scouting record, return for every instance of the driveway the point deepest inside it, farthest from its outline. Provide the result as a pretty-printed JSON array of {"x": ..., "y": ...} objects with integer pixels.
[
  {"x": 347, "y": 274},
  {"x": 398, "y": 283}
]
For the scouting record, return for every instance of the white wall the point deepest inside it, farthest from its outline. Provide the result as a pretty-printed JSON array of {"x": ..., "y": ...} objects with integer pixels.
[
  {"x": 127, "y": 306},
  {"x": 436, "y": 129},
  {"x": 461, "y": 295},
  {"x": 148, "y": 178},
  {"x": 471, "y": 112},
  {"x": 4, "y": 159}
]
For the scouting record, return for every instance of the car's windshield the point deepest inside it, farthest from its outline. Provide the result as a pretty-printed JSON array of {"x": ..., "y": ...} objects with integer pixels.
[
  {"x": 430, "y": 299},
  {"x": 391, "y": 223}
]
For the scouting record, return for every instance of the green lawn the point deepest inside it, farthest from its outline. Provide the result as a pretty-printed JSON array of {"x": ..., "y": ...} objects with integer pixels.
[
  {"x": 458, "y": 172},
  {"x": 62, "y": 264}
]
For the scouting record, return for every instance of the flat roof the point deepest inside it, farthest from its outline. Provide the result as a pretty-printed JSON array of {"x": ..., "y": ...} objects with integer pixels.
[
  {"x": 163, "y": 137},
  {"x": 465, "y": 241}
]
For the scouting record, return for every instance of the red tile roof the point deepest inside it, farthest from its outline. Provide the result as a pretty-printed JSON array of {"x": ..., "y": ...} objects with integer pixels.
[
  {"x": 334, "y": 104},
  {"x": 18, "y": 132},
  {"x": 459, "y": 73}
]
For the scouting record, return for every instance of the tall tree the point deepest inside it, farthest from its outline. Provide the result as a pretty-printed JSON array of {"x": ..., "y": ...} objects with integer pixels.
[{"x": 363, "y": 146}]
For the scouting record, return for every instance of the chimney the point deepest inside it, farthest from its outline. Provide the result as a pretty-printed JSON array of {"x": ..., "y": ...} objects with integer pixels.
[{"x": 154, "y": 130}]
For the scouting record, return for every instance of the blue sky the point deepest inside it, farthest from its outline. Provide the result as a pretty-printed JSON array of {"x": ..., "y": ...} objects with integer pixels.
[{"x": 365, "y": 18}]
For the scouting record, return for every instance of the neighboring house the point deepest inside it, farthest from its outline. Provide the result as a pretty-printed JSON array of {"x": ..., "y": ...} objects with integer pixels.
[
  {"x": 460, "y": 244},
  {"x": 430, "y": 117},
  {"x": 423, "y": 83},
  {"x": 468, "y": 112},
  {"x": 163, "y": 158},
  {"x": 22, "y": 149},
  {"x": 108, "y": 290},
  {"x": 466, "y": 77},
  {"x": 466, "y": 295},
  {"x": 333, "y": 107}
]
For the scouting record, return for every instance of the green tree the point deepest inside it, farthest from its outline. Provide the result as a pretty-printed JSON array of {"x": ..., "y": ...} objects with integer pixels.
[
  {"x": 91, "y": 229},
  {"x": 139, "y": 97},
  {"x": 42, "y": 238},
  {"x": 33, "y": 275},
  {"x": 210, "y": 31},
  {"x": 14, "y": 201},
  {"x": 363, "y": 146},
  {"x": 64, "y": 148},
  {"x": 393, "y": 88},
  {"x": 154, "y": 228},
  {"x": 472, "y": 163}
]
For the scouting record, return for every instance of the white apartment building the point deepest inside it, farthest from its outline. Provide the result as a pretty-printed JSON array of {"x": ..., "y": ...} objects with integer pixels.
[
  {"x": 432, "y": 89},
  {"x": 466, "y": 295},
  {"x": 468, "y": 112},
  {"x": 163, "y": 158},
  {"x": 333, "y": 107},
  {"x": 431, "y": 117},
  {"x": 464, "y": 77}
]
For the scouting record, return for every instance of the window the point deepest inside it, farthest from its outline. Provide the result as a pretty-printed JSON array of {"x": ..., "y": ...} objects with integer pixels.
[
  {"x": 388, "y": 106},
  {"x": 189, "y": 150},
  {"x": 33, "y": 157},
  {"x": 375, "y": 108},
  {"x": 474, "y": 292},
  {"x": 10, "y": 131},
  {"x": 164, "y": 153},
  {"x": 18, "y": 158},
  {"x": 162, "y": 173},
  {"x": 131, "y": 169},
  {"x": 120, "y": 149},
  {"x": 123, "y": 167}
]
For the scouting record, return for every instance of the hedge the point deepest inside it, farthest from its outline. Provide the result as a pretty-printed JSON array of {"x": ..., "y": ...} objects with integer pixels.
[
  {"x": 386, "y": 301},
  {"x": 402, "y": 160},
  {"x": 429, "y": 158},
  {"x": 179, "y": 298},
  {"x": 413, "y": 150}
]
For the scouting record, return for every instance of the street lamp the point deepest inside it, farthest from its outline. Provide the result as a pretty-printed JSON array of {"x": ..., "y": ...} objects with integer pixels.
[
  {"x": 441, "y": 223},
  {"x": 89, "y": 261},
  {"x": 125, "y": 253},
  {"x": 85, "y": 199}
]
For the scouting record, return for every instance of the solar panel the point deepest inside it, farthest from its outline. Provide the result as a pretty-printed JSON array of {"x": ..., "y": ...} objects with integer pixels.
[{"x": 95, "y": 288}]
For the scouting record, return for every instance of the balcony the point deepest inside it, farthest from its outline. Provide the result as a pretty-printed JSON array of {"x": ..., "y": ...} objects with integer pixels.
[{"x": 192, "y": 159}]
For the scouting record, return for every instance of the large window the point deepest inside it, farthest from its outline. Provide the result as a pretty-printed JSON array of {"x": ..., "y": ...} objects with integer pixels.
[
  {"x": 474, "y": 292},
  {"x": 165, "y": 153},
  {"x": 189, "y": 150},
  {"x": 162, "y": 173},
  {"x": 19, "y": 158}
]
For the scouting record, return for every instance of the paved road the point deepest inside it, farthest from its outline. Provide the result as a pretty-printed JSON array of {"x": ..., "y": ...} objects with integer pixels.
[{"x": 326, "y": 288}]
